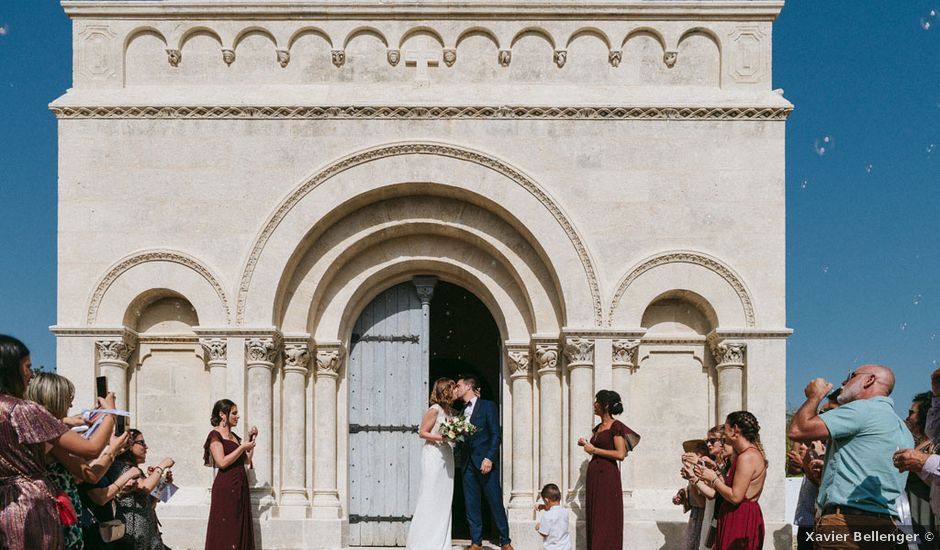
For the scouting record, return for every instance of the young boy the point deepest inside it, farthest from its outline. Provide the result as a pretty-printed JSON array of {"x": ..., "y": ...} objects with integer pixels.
[{"x": 553, "y": 525}]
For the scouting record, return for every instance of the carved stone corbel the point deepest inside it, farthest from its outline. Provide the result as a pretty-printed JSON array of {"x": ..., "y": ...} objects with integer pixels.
[
  {"x": 505, "y": 57},
  {"x": 450, "y": 56},
  {"x": 338, "y": 57},
  {"x": 670, "y": 57},
  {"x": 615, "y": 57},
  {"x": 283, "y": 57},
  {"x": 174, "y": 56},
  {"x": 228, "y": 56},
  {"x": 560, "y": 57},
  {"x": 393, "y": 56}
]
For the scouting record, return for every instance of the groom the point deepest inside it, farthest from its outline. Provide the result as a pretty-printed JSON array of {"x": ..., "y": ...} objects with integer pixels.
[{"x": 479, "y": 466}]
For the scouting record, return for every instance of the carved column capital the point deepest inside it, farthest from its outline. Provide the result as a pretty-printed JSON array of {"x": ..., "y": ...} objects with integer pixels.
[
  {"x": 329, "y": 360},
  {"x": 579, "y": 352},
  {"x": 624, "y": 355},
  {"x": 727, "y": 354},
  {"x": 519, "y": 361},
  {"x": 546, "y": 358},
  {"x": 216, "y": 349},
  {"x": 117, "y": 349},
  {"x": 296, "y": 357},
  {"x": 425, "y": 288},
  {"x": 262, "y": 350}
]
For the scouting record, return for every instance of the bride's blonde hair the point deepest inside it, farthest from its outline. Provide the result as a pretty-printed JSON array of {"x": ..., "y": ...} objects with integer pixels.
[{"x": 443, "y": 393}]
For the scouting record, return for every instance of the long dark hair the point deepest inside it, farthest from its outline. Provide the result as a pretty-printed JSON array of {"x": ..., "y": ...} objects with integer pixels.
[
  {"x": 609, "y": 401},
  {"x": 221, "y": 408},
  {"x": 12, "y": 354}
]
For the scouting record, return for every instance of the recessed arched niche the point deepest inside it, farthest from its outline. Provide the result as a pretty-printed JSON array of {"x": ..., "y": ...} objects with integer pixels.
[{"x": 678, "y": 313}]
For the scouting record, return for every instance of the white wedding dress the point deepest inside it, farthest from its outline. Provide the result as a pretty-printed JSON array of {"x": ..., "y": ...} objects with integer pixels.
[{"x": 430, "y": 524}]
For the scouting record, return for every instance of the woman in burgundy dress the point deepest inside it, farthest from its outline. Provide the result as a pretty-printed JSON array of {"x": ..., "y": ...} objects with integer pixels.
[
  {"x": 609, "y": 445},
  {"x": 740, "y": 521},
  {"x": 230, "y": 522}
]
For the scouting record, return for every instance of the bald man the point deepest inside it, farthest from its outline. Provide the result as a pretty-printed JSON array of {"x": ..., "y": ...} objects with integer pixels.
[{"x": 860, "y": 482}]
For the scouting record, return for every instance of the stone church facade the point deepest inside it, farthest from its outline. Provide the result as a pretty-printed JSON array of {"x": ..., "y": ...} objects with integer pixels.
[{"x": 261, "y": 200}]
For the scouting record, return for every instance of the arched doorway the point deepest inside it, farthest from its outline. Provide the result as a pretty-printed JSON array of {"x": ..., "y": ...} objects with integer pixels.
[{"x": 404, "y": 339}]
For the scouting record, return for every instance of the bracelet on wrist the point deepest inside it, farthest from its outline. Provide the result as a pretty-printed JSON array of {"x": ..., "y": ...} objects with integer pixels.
[{"x": 715, "y": 482}]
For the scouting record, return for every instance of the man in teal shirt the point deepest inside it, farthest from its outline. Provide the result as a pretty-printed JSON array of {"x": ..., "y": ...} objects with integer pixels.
[{"x": 860, "y": 483}]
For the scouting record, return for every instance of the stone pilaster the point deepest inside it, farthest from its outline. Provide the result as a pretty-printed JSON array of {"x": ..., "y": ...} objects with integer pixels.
[
  {"x": 293, "y": 424},
  {"x": 624, "y": 360},
  {"x": 520, "y": 373},
  {"x": 113, "y": 354},
  {"x": 579, "y": 356},
  {"x": 550, "y": 449},
  {"x": 260, "y": 356},
  {"x": 325, "y": 494},
  {"x": 729, "y": 364},
  {"x": 216, "y": 355}
]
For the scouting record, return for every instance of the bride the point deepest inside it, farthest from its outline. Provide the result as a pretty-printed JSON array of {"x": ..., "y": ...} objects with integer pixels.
[{"x": 430, "y": 524}]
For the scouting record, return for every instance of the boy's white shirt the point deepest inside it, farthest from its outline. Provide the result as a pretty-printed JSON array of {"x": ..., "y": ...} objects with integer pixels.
[{"x": 554, "y": 526}]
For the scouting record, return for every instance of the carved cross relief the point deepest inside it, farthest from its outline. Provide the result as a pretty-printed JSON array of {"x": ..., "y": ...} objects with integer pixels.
[{"x": 427, "y": 55}]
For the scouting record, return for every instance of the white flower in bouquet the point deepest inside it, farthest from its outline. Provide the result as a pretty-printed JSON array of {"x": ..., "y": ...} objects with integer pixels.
[{"x": 456, "y": 429}]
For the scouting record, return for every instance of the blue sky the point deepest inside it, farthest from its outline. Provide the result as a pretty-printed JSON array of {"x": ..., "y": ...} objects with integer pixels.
[{"x": 863, "y": 216}]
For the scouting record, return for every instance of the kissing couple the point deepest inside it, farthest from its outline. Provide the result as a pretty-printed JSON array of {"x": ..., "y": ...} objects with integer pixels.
[{"x": 477, "y": 466}]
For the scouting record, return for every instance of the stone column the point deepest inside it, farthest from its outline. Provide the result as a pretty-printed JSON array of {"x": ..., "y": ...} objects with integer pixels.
[
  {"x": 520, "y": 497},
  {"x": 729, "y": 363},
  {"x": 325, "y": 494},
  {"x": 260, "y": 354},
  {"x": 293, "y": 425},
  {"x": 624, "y": 362},
  {"x": 112, "y": 363},
  {"x": 425, "y": 289},
  {"x": 579, "y": 355},
  {"x": 546, "y": 361},
  {"x": 216, "y": 354}
]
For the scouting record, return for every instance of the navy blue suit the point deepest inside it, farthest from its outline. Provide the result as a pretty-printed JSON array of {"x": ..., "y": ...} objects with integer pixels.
[{"x": 476, "y": 486}]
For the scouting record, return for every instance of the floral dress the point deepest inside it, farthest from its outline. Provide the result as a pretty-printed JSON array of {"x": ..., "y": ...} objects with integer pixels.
[{"x": 59, "y": 475}]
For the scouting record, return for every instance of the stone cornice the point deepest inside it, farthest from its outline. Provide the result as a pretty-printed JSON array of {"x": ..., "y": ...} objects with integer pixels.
[
  {"x": 434, "y": 9},
  {"x": 475, "y": 112}
]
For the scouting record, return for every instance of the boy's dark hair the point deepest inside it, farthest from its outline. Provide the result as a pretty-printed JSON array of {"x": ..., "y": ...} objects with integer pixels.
[
  {"x": 551, "y": 492},
  {"x": 470, "y": 380}
]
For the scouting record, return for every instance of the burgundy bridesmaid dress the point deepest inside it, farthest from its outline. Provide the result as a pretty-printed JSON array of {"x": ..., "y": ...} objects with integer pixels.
[
  {"x": 740, "y": 527},
  {"x": 230, "y": 522},
  {"x": 604, "y": 506}
]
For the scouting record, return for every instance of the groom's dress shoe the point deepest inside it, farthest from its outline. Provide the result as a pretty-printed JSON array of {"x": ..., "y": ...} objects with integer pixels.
[
  {"x": 506, "y": 547},
  {"x": 475, "y": 547}
]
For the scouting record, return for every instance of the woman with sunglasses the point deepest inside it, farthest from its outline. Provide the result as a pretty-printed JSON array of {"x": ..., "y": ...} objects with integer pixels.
[{"x": 135, "y": 507}]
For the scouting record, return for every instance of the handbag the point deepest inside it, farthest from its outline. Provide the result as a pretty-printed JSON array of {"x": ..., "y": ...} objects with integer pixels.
[
  {"x": 63, "y": 504},
  {"x": 112, "y": 529}
]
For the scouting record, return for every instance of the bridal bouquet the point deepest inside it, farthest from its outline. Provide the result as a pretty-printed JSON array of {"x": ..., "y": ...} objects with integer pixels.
[{"x": 456, "y": 429}]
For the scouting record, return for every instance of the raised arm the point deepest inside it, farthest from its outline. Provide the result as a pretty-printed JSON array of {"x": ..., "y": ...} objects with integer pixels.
[
  {"x": 148, "y": 484},
  {"x": 223, "y": 460},
  {"x": 91, "y": 472},
  {"x": 806, "y": 425}
]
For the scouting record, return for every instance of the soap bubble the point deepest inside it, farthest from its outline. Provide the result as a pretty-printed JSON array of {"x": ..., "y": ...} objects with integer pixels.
[
  {"x": 803, "y": 184},
  {"x": 825, "y": 269},
  {"x": 4, "y": 30},
  {"x": 918, "y": 298},
  {"x": 931, "y": 147},
  {"x": 903, "y": 326},
  {"x": 823, "y": 145},
  {"x": 930, "y": 20},
  {"x": 868, "y": 168}
]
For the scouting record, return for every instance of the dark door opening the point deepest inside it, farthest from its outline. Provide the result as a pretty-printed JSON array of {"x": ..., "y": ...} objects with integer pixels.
[{"x": 465, "y": 340}]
